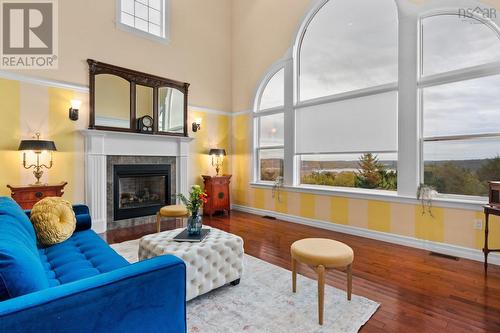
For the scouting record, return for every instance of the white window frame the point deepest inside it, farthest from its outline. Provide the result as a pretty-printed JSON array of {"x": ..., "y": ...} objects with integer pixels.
[
  {"x": 410, "y": 115},
  {"x": 458, "y": 75},
  {"x": 165, "y": 39},
  {"x": 258, "y": 114},
  {"x": 291, "y": 65}
]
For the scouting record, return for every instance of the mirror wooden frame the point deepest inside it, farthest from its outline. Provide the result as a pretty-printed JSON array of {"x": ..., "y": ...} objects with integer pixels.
[{"x": 135, "y": 78}]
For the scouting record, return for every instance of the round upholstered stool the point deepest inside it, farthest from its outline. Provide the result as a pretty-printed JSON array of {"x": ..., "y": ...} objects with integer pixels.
[
  {"x": 171, "y": 211},
  {"x": 321, "y": 254}
]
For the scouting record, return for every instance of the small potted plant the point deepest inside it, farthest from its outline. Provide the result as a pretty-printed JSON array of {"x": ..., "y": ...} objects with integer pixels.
[
  {"x": 196, "y": 200},
  {"x": 426, "y": 193}
]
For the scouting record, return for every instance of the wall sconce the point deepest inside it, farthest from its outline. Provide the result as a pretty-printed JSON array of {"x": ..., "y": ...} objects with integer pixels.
[
  {"x": 217, "y": 158},
  {"x": 73, "y": 111},
  {"x": 196, "y": 125},
  {"x": 37, "y": 146}
]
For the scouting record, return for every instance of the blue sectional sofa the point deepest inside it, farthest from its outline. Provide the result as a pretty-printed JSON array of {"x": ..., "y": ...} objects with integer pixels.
[{"x": 82, "y": 285}]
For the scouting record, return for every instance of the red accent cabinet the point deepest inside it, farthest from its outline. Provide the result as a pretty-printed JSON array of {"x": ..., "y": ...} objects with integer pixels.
[{"x": 217, "y": 188}]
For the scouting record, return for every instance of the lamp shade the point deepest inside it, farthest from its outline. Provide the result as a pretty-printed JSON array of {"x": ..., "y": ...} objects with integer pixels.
[
  {"x": 217, "y": 152},
  {"x": 37, "y": 145}
]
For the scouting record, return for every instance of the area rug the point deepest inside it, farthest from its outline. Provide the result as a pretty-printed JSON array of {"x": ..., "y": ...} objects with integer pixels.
[{"x": 263, "y": 302}]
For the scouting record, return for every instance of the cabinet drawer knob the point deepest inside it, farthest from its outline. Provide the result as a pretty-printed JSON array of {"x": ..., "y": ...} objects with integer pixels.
[{"x": 39, "y": 194}]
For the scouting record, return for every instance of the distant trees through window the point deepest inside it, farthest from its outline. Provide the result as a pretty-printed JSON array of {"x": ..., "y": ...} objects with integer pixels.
[
  {"x": 465, "y": 177},
  {"x": 368, "y": 171}
]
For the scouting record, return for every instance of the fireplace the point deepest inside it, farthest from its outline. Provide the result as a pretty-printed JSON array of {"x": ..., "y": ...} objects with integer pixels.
[{"x": 140, "y": 189}]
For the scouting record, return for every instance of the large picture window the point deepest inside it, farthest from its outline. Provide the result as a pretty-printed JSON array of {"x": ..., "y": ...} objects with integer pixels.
[
  {"x": 355, "y": 108},
  {"x": 460, "y": 107},
  {"x": 346, "y": 118}
]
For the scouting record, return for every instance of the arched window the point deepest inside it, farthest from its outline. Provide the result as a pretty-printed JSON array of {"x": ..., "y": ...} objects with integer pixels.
[
  {"x": 269, "y": 128},
  {"x": 346, "y": 115},
  {"x": 450, "y": 42},
  {"x": 273, "y": 94},
  {"x": 459, "y": 84},
  {"x": 339, "y": 125},
  {"x": 349, "y": 45}
]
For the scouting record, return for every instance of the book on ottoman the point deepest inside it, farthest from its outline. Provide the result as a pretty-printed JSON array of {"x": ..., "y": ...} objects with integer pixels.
[{"x": 185, "y": 237}]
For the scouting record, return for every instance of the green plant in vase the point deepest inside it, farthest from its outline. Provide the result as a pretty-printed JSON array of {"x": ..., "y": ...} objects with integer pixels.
[{"x": 197, "y": 197}]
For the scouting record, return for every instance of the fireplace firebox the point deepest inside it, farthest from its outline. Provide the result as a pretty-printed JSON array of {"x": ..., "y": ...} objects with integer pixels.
[{"x": 140, "y": 189}]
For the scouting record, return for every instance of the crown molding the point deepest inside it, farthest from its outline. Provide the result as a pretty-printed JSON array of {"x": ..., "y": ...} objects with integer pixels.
[
  {"x": 85, "y": 89},
  {"x": 43, "y": 82}
]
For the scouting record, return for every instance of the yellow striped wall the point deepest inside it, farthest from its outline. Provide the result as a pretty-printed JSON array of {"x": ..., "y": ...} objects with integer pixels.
[
  {"x": 450, "y": 226},
  {"x": 10, "y": 132},
  {"x": 29, "y": 108},
  {"x": 215, "y": 133},
  {"x": 26, "y": 109}
]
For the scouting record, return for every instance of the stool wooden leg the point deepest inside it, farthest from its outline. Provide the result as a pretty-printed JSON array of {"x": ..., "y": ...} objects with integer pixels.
[
  {"x": 294, "y": 275},
  {"x": 158, "y": 222},
  {"x": 321, "y": 292},
  {"x": 349, "y": 282}
]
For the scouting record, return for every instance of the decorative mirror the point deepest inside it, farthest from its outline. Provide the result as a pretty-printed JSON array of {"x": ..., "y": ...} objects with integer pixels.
[
  {"x": 129, "y": 101},
  {"x": 112, "y": 101},
  {"x": 170, "y": 107}
]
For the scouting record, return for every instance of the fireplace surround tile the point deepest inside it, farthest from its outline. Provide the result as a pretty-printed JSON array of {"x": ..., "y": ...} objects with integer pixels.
[{"x": 113, "y": 160}]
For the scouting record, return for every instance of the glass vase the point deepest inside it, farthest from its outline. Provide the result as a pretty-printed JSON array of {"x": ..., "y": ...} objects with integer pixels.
[{"x": 194, "y": 224}]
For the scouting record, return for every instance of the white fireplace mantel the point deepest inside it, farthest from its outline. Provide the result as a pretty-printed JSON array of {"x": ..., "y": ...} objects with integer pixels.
[{"x": 99, "y": 144}]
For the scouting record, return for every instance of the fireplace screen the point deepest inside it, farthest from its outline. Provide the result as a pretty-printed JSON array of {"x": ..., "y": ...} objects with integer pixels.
[{"x": 140, "y": 190}]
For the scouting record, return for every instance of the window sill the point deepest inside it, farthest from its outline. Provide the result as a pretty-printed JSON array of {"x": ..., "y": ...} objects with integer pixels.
[
  {"x": 140, "y": 33},
  {"x": 379, "y": 195}
]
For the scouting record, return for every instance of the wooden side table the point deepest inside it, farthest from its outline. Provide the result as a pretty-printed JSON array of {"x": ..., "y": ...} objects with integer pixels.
[
  {"x": 217, "y": 188},
  {"x": 28, "y": 195},
  {"x": 488, "y": 210}
]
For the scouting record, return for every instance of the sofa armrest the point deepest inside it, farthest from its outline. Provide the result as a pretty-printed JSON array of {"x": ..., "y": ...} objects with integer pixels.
[
  {"x": 83, "y": 219},
  {"x": 149, "y": 296},
  {"x": 82, "y": 214}
]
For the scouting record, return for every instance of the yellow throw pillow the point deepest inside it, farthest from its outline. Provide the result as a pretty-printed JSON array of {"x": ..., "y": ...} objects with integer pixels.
[{"x": 54, "y": 220}]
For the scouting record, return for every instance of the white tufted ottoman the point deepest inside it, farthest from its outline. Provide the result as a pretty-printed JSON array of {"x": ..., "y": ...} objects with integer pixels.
[{"x": 210, "y": 264}]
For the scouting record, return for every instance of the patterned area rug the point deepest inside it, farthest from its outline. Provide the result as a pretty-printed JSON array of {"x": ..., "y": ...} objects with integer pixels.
[{"x": 263, "y": 302}]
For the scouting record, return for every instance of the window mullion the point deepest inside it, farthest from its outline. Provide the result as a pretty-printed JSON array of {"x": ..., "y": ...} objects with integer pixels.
[
  {"x": 408, "y": 108},
  {"x": 289, "y": 164}
]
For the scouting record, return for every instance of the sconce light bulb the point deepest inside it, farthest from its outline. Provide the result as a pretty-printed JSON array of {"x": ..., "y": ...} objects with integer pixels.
[
  {"x": 76, "y": 104},
  {"x": 197, "y": 121}
]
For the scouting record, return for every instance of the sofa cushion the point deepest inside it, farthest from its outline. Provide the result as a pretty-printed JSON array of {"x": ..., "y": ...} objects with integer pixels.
[
  {"x": 83, "y": 255},
  {"x": 21, "y": 271},
  {"x": 23, "y": 228},
  {"x": 54, "y": 220}
]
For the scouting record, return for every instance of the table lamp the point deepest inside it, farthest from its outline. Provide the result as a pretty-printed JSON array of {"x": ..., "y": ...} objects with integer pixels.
[
  {"x": 217, "y": 158},
  {"x": 37, "y": 146}
]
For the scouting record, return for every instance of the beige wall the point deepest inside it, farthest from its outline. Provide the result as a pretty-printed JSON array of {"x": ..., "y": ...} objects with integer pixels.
[
  {"x": 263, "y": 31},
  {"x": 199, "y": 51}
]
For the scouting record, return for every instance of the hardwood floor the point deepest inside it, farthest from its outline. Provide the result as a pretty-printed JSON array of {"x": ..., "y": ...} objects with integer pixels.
[{"x": 418, "y": 292}]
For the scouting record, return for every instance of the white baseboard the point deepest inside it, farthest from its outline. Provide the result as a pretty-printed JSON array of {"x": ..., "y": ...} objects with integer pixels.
[{"x": 452, "y": 250}]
